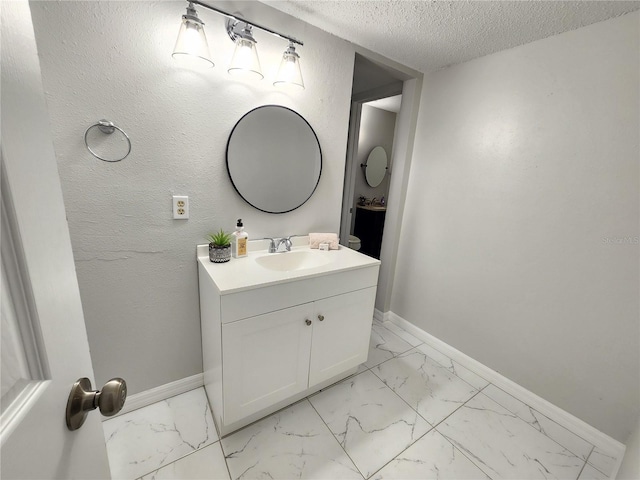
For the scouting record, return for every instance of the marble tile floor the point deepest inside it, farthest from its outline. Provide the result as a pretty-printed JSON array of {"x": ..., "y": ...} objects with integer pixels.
[{"x": 410, "y": 412}]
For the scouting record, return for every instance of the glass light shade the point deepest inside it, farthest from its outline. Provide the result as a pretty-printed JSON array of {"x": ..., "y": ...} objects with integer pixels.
[
  {"x": 245, "y": 62},
  {"x": 191, "y": 48},
  {"x": 289, "y": 74}
]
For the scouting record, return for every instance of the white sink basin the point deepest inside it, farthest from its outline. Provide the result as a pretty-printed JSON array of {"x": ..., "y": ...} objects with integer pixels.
[{"x": 293, "y": 261}]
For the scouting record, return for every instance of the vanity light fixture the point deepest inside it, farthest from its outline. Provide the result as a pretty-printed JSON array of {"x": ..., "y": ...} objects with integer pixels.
[
  {"x": 192, "y": 47},
  {"x": 245, "y": 61},
  {"x": 289, "y": 73}
]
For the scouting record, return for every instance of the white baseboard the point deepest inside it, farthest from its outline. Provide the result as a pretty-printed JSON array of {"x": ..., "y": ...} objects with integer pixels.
[
  {"x": 381, "y": 317},
  {"x": 558, "y": 415},
  {"x": 168, "y": 390}
]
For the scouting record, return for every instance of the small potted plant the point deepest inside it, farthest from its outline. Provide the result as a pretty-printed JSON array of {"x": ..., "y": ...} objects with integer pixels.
[{"x": 219, "y": 247}]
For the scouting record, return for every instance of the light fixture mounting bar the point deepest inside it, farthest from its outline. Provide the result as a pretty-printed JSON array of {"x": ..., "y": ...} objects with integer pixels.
[{"x": 240, "y": 19}]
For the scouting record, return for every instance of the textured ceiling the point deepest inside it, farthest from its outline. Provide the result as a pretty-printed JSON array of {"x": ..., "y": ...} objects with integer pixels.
[{"x": 428, "y": 35}]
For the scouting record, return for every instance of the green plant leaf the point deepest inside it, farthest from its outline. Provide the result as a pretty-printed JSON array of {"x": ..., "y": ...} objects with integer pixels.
[{"x": 220, "y": 239}]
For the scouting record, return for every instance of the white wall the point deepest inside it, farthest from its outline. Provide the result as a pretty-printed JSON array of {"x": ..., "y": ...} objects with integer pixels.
[
  {"x": 630, "y": 468},
  {"x": 519, "y": 244},
  {"x": 136, "y": 266}
]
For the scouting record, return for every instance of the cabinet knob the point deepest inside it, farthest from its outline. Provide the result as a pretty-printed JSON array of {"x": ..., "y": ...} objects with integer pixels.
[
  {"x": 307, "y": 321},
  {"x": 321, "y": 317}
]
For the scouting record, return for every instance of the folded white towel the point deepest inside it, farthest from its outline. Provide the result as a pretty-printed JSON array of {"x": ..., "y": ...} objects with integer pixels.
[{"x": 315, "y": 239}]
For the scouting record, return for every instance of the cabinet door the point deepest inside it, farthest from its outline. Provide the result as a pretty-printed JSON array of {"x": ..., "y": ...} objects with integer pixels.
[
  {"x": 341, "y": 339},
  {"x": 265, "y": 359}
]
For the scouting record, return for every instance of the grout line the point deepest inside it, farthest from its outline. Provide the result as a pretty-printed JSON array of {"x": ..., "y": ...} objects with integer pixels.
[
  {"x": 255, "y": 422},
  {"x": 465, "y": 454},
  {"x": 453, "y": 444},
  {"x": 400, "y": 328},
  {"x": 213, "y": 418},
  {"x": 399, "y": 338},
  {"x": 411, "y": 407},
  {"x": 454, "y": 365},
  {"x": 466, "y": 401},
  {"x": 269, "y": 415},
  {"x": 585, "y": 464},
  {"x": 589, "y": 456},
  {"x": 395, "y": 355},
  {"x": 404, "y": 401},
  {"x": 433, "y": 427},
  {"x": 516, "y": 415},
  {"x": 388, "y": 359},
  {"x": 307, "y": 398},
  {"x": 405, "y": 449},
  {"x": 393, "y": 458},
  {"x": 166, "y": 400},
  {"x": 350, "y": 377},
  {"x": 478, "y": 390},
  {"x": 562, "y": 417},
  {"x": 215, "y": 426},
  {"x": 396, "y": 393},
  {"x": 179, "y": 458},
  {"x": 336, "y": 438},
  {"x": 226, "y": 462},
  {"x": 540, "y": 431}
]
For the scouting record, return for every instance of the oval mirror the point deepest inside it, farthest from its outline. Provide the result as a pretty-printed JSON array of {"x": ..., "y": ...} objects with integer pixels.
[
  {"x": 274, "y": 159},
  {"x": 376, "y": 166}
]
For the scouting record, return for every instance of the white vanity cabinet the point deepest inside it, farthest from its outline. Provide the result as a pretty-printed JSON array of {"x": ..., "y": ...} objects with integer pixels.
[
  {"x": 269, "y": 358},
  {"x": 267, "y": 344}
]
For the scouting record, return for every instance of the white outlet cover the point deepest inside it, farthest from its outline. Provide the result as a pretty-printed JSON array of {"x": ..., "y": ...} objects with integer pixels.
[{"x": 180, "y": 207}]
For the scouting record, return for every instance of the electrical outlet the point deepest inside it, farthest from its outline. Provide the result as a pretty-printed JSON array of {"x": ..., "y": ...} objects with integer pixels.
[{"x": 180, "y": 207}]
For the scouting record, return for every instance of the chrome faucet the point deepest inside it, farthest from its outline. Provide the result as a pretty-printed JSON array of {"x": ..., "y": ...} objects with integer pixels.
[
  {"x": 287, "y": 244},
  {"x": 275, "y": 247}
]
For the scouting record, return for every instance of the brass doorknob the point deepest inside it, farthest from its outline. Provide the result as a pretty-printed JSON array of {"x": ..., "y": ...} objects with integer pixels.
[{"x": 82, "y": 400}]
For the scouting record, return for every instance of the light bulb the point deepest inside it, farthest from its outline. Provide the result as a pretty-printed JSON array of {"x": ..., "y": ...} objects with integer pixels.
[
  {"x": 191, "y": 47},
  {"x": 245, "y": 62},
  {"x": 289, "y": 74}
]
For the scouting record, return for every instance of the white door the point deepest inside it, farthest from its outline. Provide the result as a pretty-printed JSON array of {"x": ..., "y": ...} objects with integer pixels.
[
  {"x": 44, "y": 341},
  {"x": 341, "y": 331},
  {"x": 265, "y": 360}
]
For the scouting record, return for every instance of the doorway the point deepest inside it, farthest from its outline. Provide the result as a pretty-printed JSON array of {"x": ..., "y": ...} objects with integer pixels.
[
  {"x": 384, "y": 107},
  {"x": 371, "y": 125},
  {"x": 372, "y": 159}
]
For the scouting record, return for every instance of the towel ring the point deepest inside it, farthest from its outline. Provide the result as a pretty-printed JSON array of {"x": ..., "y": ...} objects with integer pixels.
[{"x": 106, "y": 127}]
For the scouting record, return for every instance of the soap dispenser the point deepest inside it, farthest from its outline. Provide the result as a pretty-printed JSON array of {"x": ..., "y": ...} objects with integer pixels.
[{"x": 240, "y": 238}]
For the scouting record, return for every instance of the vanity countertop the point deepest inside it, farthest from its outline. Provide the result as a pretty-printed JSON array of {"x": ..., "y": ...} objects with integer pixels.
[
  {"x": 246, "y": 273},
  {"x": 373, "y": 208}
]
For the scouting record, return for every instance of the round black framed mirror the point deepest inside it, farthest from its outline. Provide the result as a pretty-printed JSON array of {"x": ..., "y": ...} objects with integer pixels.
[{"x": 274, "y": 159}]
